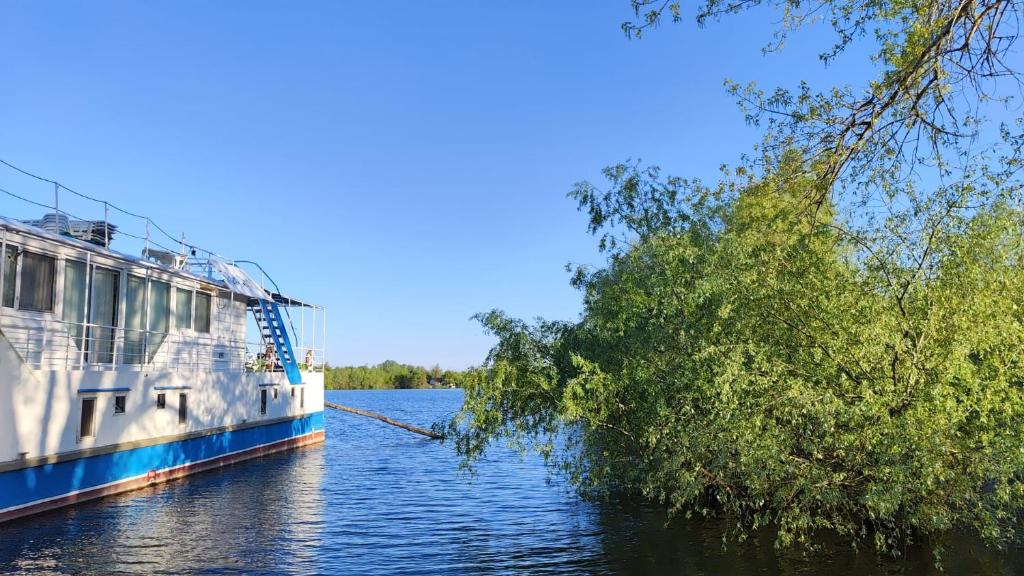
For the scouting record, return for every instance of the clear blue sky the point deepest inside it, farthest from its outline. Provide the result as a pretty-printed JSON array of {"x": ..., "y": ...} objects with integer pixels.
[{"x": 404, "y": 163}]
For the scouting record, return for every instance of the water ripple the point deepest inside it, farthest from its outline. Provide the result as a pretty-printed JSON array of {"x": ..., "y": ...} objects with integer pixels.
[{"x": 377, "y": 500}]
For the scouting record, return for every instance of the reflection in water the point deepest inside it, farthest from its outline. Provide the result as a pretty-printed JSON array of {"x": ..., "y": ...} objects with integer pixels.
[
  {"x": 377, "y": 500},
  {"x": 262, "y": 515},
  {"x": 638, "y": 540}
]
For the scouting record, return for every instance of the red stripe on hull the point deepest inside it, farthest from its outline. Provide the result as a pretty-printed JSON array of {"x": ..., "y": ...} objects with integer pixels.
[{"x": 157, "y": 477}]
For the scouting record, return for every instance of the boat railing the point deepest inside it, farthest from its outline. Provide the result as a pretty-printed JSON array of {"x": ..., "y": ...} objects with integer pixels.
[{"x": 59, "y": 345}]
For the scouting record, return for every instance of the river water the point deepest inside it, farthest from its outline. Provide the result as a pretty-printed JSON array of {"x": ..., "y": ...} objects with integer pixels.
[{"x": 378, "y": 500}]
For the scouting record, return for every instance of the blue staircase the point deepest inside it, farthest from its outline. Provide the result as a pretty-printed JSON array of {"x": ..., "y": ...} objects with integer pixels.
[{"x": 271, "y": 324}]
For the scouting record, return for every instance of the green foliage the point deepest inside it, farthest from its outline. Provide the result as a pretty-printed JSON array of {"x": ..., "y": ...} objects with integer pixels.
[
  {"x": 453, "y": 378},
  {"x": 779, "y": 350},
  {"x": 741, "y": 355},
  {"x": 388, "y": 375}
]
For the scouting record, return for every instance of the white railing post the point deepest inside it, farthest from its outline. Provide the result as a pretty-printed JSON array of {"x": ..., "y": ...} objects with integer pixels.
[
  {"x": 42, "y": 350},
  {"x": 86, "y": 336},
  {"x": 145, "y": 335},
  {"x": 3, "y": 270}
]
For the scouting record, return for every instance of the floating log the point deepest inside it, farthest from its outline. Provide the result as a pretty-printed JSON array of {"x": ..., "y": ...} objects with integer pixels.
[{"x": 384, "y": 419}]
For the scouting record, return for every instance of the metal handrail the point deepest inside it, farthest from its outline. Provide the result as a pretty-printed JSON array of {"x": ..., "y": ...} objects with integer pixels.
[
  {"x": 60, "y": 345},
  {"x": 276, "y": 288}
]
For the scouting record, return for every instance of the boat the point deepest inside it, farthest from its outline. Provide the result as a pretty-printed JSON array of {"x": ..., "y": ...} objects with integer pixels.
[{"x": 119, "y": 372}]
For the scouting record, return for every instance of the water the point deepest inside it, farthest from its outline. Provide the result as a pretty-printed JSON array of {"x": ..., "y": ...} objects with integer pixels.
[{"x": 377, "y": 500}]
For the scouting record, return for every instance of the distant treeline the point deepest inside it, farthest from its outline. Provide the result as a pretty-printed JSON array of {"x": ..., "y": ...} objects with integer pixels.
[{"x": 390, "y": 375}]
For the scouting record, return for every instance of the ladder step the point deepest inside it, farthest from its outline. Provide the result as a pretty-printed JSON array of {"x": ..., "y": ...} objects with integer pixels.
[{"x": 271, "y": 325}]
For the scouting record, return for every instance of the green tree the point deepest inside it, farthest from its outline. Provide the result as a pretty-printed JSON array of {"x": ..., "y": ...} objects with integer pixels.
[
  {"x": 739, "y": 356},
  {"x": 452, "y": 378},
  {"x": 831, "y": 337},
  {"x": 386, "y": 375},
  {"x": 939, "y": 63}
]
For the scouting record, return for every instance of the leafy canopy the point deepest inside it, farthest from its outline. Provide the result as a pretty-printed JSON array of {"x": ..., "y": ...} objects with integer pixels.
[
  {"x": 829, "y": 338},
  {"x": 741, "y": 358}
]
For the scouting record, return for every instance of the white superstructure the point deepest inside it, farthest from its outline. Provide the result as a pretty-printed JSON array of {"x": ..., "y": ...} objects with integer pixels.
[{"x": 155, "y": 366}]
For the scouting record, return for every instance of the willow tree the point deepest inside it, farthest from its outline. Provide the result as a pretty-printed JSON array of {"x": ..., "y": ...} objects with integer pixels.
[
  {"x": 832, "y": 336},
  {"x": 940, "y": 65}
]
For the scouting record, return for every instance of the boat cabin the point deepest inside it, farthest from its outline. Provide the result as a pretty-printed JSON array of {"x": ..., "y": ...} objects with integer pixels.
[{"x": 73, "y": 304}]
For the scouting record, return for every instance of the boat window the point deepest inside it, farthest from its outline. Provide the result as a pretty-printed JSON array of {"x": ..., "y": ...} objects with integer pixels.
[
  {"x": 182, "y": 309},
  {"x": 182, "y": 408},
  {"x": 147, "y": 318},
  {"x": 36, "y": 291},
  {"x": 106, "y": 286},
  {"x": 161, "y": 401},
  {"x": 263, "y": 401},
  {"x": 10, "y": 273},
  {"x": 87, "y": 426},
  {"x": 73, "y": 309},
  {"x": 135, "y": 320},
  {"x": 302, "y": 397},
  {"x": 119, "y": 403},
  {"x": 159, "y": 315},
  {"x": 202, "y": 319},
  {"x": 275, "y": 393}
]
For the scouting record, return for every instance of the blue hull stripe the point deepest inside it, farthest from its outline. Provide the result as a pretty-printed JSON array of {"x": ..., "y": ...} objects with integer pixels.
[{"x": 21, "y": 487}]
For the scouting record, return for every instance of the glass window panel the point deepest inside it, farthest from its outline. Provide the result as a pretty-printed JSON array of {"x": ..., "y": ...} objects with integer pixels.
[
  {"x": 159, "y": 315},
  {"x": 10, "y": 274},
  {"x": 182, "y": 309},
  {"x": 106, "y": 285},
  {"x": 36, "y": 282},
  {"x": 73, "y": 309},
  {"x": 134, "y": 320},
  {"x": 203, "y": 301}
]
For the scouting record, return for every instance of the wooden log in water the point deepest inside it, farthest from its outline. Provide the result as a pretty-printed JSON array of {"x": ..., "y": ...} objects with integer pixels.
[{"x": 384, "y": 419}]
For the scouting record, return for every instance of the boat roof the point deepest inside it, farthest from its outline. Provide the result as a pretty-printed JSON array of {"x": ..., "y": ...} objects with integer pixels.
[
  {"x": 28, "y": 229},
  {"x": 287, "y": 301}
]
